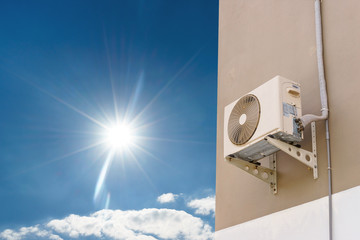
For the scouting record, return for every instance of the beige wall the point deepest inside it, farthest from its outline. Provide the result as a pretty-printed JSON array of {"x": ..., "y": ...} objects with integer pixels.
[{"x": 259, "y": 39}]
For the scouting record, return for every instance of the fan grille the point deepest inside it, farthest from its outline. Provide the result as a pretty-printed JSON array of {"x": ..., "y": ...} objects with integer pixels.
[{"x": 244, "y": 119}]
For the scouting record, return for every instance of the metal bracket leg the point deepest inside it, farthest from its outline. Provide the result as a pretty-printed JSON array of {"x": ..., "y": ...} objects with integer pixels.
[
  {"x": 304, "y": 156},
  {"x": 267, "y": 175}
]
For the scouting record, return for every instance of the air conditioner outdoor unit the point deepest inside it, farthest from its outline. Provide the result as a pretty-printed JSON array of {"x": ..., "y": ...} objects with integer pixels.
[{"x": 271, "y": 109}]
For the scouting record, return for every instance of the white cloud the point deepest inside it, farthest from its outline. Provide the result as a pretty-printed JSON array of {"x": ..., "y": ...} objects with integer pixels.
[
  {"x": 146, "y": 224},
  {"x": 167, "y": 197},
  {"x": 26, "y": 232},
  {"x": 203, "y": 206}
]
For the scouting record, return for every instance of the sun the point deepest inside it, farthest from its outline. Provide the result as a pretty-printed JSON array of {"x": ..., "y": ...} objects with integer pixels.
[{"x": 119, "y": 137}]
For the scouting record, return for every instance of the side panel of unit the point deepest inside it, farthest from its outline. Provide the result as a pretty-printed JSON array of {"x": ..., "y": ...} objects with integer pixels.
[{"x": 291, "y": 108}]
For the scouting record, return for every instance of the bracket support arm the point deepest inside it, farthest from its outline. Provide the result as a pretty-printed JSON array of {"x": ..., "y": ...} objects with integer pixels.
[
  {"x": 265, "y": 174},
  {"x": 304, "y": 156}
]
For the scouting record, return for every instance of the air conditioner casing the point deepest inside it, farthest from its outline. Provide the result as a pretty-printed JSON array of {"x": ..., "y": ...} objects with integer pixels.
[{"x": 280, "y": 104}]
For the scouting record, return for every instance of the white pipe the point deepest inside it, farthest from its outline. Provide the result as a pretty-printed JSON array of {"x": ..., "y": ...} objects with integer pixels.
[
  {"x": 308, "y": 118},
  {"x": 329, "y": 179}
]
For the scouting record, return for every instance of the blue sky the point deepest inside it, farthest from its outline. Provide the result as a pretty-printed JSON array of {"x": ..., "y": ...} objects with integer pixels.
[{"x": 71, "y": 69}]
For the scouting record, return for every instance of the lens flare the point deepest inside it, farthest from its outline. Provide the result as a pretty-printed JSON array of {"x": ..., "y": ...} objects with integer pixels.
[{"x": 100, "y": 182}]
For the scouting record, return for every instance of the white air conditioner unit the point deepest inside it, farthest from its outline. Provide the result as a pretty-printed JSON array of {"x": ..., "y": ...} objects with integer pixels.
[{"x": 271, "y": 109}]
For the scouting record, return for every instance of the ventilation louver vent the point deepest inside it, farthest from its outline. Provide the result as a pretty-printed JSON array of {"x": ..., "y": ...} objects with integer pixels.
[{"x": 244, "y": 119}]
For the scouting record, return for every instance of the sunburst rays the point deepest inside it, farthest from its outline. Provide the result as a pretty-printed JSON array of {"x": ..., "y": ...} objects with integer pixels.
[{"x": 130, "y": 113}]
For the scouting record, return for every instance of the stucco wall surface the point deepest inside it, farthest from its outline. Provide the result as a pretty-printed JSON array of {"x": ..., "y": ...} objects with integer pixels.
[{"x": 260, "y": 39}]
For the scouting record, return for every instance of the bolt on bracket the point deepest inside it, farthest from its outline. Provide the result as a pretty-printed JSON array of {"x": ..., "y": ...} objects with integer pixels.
[
  {"x": 304, "y": 156},
  {"x": 265, "y": 174}
]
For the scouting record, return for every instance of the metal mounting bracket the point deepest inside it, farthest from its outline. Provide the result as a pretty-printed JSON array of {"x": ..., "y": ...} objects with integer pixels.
[
  {"x": 265, "y": 174},
  {"x": 304, "y": 156}
]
